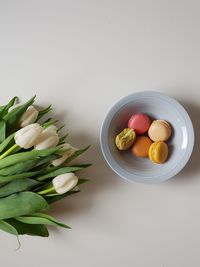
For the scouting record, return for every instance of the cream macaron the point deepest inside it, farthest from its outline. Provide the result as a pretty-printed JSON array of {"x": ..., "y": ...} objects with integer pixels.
[{"x": 160, "y": 130}]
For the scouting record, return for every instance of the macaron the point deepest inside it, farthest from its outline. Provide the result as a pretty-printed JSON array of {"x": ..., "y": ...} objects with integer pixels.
[
  {"x": 158, "y": 152},
  {"x": 141, "y": 146},
  {"x": 139, "y": 123},
  {"x": 125, "y": 139},
  {"x": 160, "y": 130}
]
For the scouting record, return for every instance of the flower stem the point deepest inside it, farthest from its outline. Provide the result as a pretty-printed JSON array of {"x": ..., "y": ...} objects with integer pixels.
[
  {"x": 7, "y": 152},
  {"x": 46, "y": 191}
]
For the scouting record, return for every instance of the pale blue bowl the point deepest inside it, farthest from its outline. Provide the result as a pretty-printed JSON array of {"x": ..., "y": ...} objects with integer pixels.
[{"x": 158, "y": 106}]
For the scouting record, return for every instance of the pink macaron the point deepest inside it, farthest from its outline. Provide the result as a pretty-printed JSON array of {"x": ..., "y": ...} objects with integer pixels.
[{"x": 140, "y": 123}]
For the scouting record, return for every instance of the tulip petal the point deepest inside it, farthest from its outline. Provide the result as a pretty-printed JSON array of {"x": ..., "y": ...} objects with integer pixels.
[
  {"x": 50, "y": 141},
  {"x": 27, "y": 136},
  {"x": 70, "y": 151},
  {"x": 50, "y": 130},
  {"x": 29, "y": 117},
  {"x": 65, "y": 182}
]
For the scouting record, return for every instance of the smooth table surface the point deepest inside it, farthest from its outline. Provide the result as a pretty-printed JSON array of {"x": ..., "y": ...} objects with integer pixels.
[{"x": 82, "y": 56}]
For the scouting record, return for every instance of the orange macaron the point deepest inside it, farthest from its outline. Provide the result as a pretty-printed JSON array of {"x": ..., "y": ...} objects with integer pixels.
[{"x": 141, "y": 146}]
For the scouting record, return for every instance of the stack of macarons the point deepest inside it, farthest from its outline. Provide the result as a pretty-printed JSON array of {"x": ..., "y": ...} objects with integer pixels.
[{"x": 146, "y": 138}]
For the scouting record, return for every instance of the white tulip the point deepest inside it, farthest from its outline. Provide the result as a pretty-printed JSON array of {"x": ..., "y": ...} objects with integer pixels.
[
  {"x": 48, "y": 138},
  {"x": 64, "y": 182},
  {"x": 52, "y": 129},
  {"x": 29, "y": 116},
  {"x": 71, "y": 150},
  {"x": 27, "y": 136},
  {"x": 50, "y": 141}
]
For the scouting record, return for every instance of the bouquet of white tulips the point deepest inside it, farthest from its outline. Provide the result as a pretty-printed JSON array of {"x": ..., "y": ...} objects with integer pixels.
[{"x": 36, "y": 169}]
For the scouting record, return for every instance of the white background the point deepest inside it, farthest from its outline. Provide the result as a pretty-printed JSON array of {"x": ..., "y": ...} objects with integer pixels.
[{"x": 83, "y": 56}]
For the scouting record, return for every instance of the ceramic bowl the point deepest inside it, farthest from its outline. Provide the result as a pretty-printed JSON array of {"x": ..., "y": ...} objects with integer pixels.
[{"x": 157, "y": 106}]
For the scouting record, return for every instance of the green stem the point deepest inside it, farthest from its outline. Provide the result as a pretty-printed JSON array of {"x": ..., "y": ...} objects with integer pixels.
[
  {"x": 46, "y": 191},
  {"x": 7, "y": 152}
]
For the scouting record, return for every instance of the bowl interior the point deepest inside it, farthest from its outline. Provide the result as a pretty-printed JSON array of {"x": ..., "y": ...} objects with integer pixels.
[{"x": 157, "y": 107}]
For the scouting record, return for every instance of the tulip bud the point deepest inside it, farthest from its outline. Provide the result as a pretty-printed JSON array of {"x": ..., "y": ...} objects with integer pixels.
[
  {"x": 52, "y": 129},
  {"x": 71, "y": 150},
  {"x": 27, "y": 136},
  {"x": 29, "y": 116},
  {"x": 64, "y": 182},
  {"x": 48, "y": 138}
]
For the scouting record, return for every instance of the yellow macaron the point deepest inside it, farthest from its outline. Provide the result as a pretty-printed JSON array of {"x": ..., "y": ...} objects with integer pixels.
[
  {"x": 125, "y": 139},
  {"x": 158, "y": 152}
]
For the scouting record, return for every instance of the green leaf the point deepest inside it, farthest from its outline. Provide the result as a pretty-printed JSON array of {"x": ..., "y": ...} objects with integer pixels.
[
  {"x": 57, "y": 172},
  {"x": 82, "y": 165},
  {"x": 52, "y": 199},
  {"x": 51, "y": 195},
  {"x": 75, "y": 155},
  {"x": 21, "y": 204},
  {"x": 2, "y": 130},
  {"x": 7, "y": 143},
  {"x": 47, "y": 160},
  {"x": 1, "y": 108},
  {"x": 47, "y": 120},
  {"x": 28, "y": 229},
  {"x": 40, "y": 218},
  {"x": 7, "y": 227},
  {"x": 9, "y": 178},
  {"x": 13, "y": 117},
  {"x": 60, "y": 128},
  {"x": 19, "y": 167},
  {"x": 49, "y": 123},
  {"x": 82, "y": 181},
  {"x": 3, "y": 112},
  {"x": 62, "y": 139},
  {"x": 18, "y": 186},
  {"x": 28, "y": 155},
  {"x": 44, "y": 111},
  {"x": 5, "y": 108}
]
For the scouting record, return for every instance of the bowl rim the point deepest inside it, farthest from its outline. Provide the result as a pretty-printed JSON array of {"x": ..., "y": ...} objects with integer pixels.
[{"x": 111, "y": 161}]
